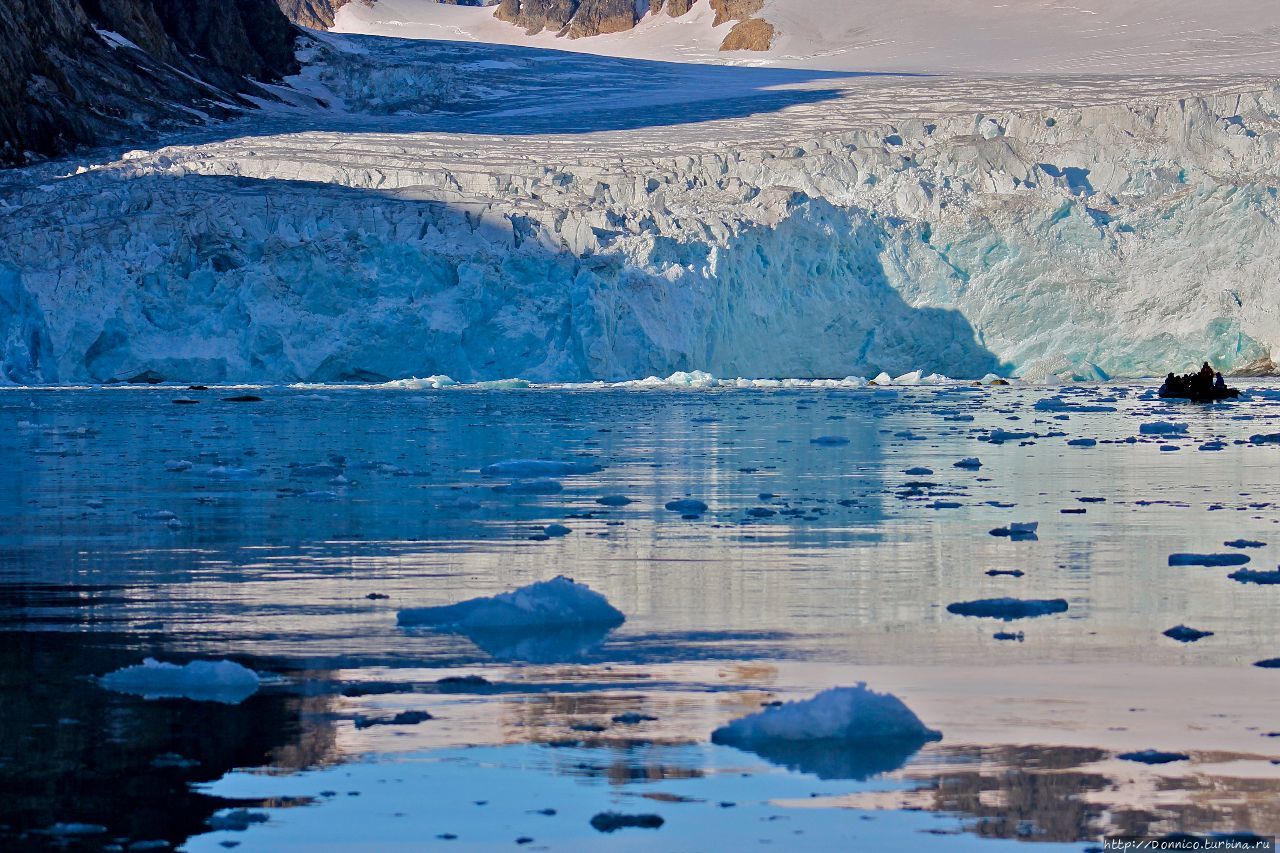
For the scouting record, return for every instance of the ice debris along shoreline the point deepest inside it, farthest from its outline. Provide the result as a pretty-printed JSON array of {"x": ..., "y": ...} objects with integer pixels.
[
  {"x": 556, "y": 603},
  {"x": 208, "y": 681}
]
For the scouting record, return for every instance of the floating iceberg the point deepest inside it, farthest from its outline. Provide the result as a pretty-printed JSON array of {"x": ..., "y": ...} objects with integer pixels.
[
  {"x": 213, "y": 681},
  {"x": 1208, "y": 559},
  {"x": 557, "y": 603},
  {"x": 842, "y": 733},
  {"x": 1008, "y": 609}
]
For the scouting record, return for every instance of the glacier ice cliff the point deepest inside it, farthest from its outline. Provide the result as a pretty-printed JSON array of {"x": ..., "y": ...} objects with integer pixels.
[{"x": 1075, "y": 230}]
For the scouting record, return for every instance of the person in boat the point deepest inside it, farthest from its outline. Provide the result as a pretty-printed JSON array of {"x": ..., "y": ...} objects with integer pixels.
[
  {"x": 1219, "y": 384},
  {"x": 1206, "y": 376},
  {"x": 1171, "y": 387}
]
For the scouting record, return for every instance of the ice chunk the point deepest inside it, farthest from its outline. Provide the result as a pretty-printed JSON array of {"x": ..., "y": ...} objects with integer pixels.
[
  {"x": 613, "y": 821},
  {"x": 1265, "y": 438},
  {"x": 1259, "y": 577},
  {"x": 177, "y": 465},
  {"x": 1208, "y": 559},
  {"x": 971, "y": 463},
  {"x": 215, "y": 681},
  {"x": 1162, "y": 428},
  {"x": 918, "y": 471},
  {"x": 1244, "y": 543},
  {"x": 1008, "y": 609},
  {"x": 541, "y": 486},
  {"x": 829, "y": 440},
  {"x": 1183, "y": 634},
  {"x": 1153, "y": 756},
  {"x": 558, "y": 602},
  {"x": 839, "y": 714},
  {"x": 556, "y": 530},
  {"x": 614, "y": 500},
  {"x": 532, "y": 468},
  {"x": 687, "y": 506},
  {"x": 842, "y": 733}
]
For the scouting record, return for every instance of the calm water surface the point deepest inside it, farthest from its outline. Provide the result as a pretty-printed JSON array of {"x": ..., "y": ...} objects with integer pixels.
[{"x": 285, "y": 534}]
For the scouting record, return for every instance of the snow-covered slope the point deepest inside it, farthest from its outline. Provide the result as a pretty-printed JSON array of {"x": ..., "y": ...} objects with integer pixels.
[
  {"x": 922, "y": 36},
  {"x": 486, "y": 211}
]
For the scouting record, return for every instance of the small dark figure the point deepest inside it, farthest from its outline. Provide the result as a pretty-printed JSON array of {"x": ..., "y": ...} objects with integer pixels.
[
  {"x": 1219, "y": 384},
  {"x": 1206, "y": 375},
  {"x": 1170, "y": 386}
]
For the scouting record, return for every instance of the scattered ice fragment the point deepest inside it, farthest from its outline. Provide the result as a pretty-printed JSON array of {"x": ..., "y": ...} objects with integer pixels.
[
  {"x": 235, "y": 820},
  {"x": 1208, "y": 559},
  {"x": 972, "y": 463},
  {"x": 1018, "y": 531},
  {"x": 404, "y": 718},
  {"x": 1012, "y": 573},
  {"x": 1265, "y": 438},
  {"x": 1244, "y": 543},
  {"x": 540, "y": 486},
  {"x": 1162, "y": 428},
  {"x": 613, "y": 821},
  {"x": 73, "y": 829},
  {"x": 1008, "y": 609},
  {"x": 632, "y": 718},
  {"x": 177, "y": 465},
  {"x": 1082, "y": 442},
  {"x": 1008, "y": 635},
  {"x": 214, "y": 681},
  {"x": 155, "y": 515},
  {"x": 829, "y": 440},
  {"x": 1183, "y": 634},
  {"x": 1266, "y": 578},
  {"x": 534, "y": 468},
  {"x": 554, "y": 603},
  {"x": 1153, "y": 756},
  {"x": 687, "y": 506},
  {"x": 918, "y": 472},
  {"x": 613, "y": 500},
  {"x": 556, "y": 530}
]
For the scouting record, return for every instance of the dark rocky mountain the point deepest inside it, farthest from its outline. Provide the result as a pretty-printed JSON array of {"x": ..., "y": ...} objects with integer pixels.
[{"x": 87, "y": 72}]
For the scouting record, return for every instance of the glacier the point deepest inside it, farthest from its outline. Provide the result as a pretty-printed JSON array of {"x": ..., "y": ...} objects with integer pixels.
[{"x": 460, "y": 210}]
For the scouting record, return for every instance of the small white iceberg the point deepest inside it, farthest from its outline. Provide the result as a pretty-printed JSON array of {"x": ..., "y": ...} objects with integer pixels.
[
  {"x": 557, "y": 603},
  {"x": 209, "y": 681},
  {"x": 841, "y": 733}
]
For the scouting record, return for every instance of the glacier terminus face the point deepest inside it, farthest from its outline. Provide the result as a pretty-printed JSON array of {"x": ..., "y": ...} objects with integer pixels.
[{"x": 489, "y": 212}]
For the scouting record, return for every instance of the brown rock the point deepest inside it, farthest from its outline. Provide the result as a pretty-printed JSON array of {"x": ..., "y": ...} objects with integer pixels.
[
  {"x": 734, "y": 10},
  {"x": 1259, "y": 367},
  {"x": 751, "y": 34}
]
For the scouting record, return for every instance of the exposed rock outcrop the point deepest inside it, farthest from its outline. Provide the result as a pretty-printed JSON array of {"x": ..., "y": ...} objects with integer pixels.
[
  {"x": 78, "y": 72},
  {"x": 751, "y": 34},
  {"x": 1259, "y": 367}
]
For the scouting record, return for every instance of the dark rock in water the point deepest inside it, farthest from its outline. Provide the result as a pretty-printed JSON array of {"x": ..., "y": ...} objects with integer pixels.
[
  {"x": 1008, "y": 609},
  {"x": 613, "y": 821},
  {"x": 1011, "y": 573},
  {"x": 1270, "y": 663},
  {"x": 197, "y": 387},
  {"x": 242, "y": 398},
  {"x": 64, "y": 84},
  {"x": 1244, "y": 543},
  {"x": 1183, "y": 634},
  {"x": 1153, "y": 756},
  {"x": 375, "y": 596}
]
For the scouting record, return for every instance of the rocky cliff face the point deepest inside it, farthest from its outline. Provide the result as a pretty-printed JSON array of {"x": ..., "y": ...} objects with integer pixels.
[
  {"x": 84, "y": 72},
  {"x": 581, "y": 18}
]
